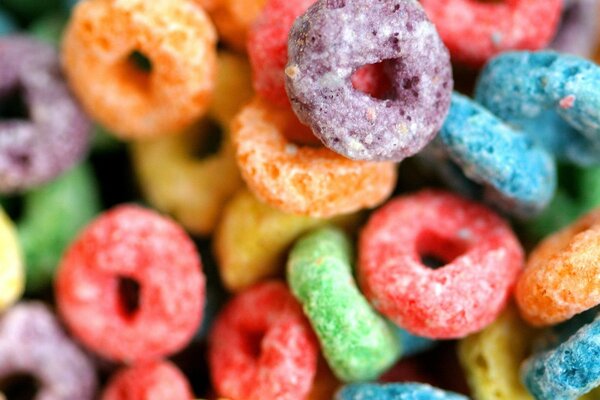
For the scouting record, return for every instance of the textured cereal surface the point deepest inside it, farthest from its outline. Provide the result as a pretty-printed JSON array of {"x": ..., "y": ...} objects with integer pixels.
[
  {"x": 492, "y": 358},
  {"x": 519, "y": 176},
  {"x": 483, "y": 259},
  {"x": 194, "y": 190},
  {"x": 55, "y": 134},
  {"x": 178, "y": 39},
  {"x": 135, "y": 243},
  {"x": 157, "y": 380},
  {"x": 357, "y": 342},
  {"x": 303, "y": 180},
  {"x": 332, "y": 40},
  {"x": 562, "y": 275},
  {"x": 262, "y": 347},
  {"x": 12, "y": 268},
  {"x": 252, "y": 239},
  {"x": 33, "y": 341},
  {"x": 475, "y": 31},
  {"x": 550, "y": 96},
  {"x": 395, "y": 391}
]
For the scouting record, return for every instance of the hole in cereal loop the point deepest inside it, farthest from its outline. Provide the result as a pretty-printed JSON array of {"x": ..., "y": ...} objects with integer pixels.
[
  {"x": 372, "y": 80},
  {"x": 139, "y": 61},
  {"x": 13, "y": 106},
  {"x": 436, "y": 251},
  {"x": 19, "y": 386},
  {"x": 206, "y": 140},
  {"x": 129, "y": 296}
]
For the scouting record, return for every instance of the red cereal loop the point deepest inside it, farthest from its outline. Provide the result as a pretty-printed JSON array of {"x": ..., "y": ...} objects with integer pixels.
[
  {"x": 482, "y": 259},
  {"x": 156, "y": 380},
  {"x": 262, "y": 347},
  {"x": 131, "y": 248},
  {"x": 267, "y": 50},
  {"x": 474, "y": 31}
]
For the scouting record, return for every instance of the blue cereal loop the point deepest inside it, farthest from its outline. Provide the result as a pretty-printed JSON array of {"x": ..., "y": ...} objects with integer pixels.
[
  {"x": 553, "y": 97},
  {"x": 519, "y": 177},
  {"x": 570, "y": 369},
  {"x": 394, "y": 391}
]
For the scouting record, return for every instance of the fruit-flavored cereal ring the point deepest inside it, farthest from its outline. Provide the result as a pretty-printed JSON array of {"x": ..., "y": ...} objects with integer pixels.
[
  {"x": 493, "y": 27},
  {"x": 32, "y": 342},
  {"x": 175, "y": 179},
  {"x": 562, "y": 276},
  {"x": 141, "y": 68},
  {"x": 571, "y": 368},
  {"x": 518, "y": 176},
  {"x": 147, "y": 381},
  {"x": 395, "y": 391},
  {"x": 579, "y": 29},
  {"x": 252, "y": 238},
  {"x": 482, "y": 256},
  {"x": 549, "y": 96},
  {"x": 12, "y": 274},
  {"x": 131, "y": 248},
  {"x": 491, "y": 358},
  {"x": 233, "y": 19},
  {"x": 44, "y": 232},
  {"x": 356, "y": 341},
  {"x": 302, "y": 179},
  {"x": 324, "y": 53},
  {"x": 48, "y": 131},
  {"x": 262, "y": 347}
]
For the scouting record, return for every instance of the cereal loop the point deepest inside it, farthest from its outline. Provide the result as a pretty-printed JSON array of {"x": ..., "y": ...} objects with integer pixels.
[
  {"x": 562, "y": 276},
  {"x": 141, "y": 68},
  {"x": 12, "y": 274},
  {"x": 481, "y": 258},
  {"x": 261, "y": 346},
  {"x": 476, "y": 30},
  {"x": 302, "y": 179}
]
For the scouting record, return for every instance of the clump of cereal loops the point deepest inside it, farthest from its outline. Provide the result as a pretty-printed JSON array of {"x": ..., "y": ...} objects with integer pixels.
[{"x": 141, "y": 68}]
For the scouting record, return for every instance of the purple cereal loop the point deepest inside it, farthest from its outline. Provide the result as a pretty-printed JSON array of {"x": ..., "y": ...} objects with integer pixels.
[
  {"x": 56, "y": 134},
  {"x": 32, "y": 341},
  {"x": 336, "y": 37}
]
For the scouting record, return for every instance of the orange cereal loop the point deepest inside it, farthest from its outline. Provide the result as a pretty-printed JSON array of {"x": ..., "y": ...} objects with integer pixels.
[
  {"x": 141, "y": 68},
  {"x": 303, "y": 180},
  {"x": 233, "y": 19},
  {"x": 562, "y": 276},
  {"x": 191, "y": 176}
]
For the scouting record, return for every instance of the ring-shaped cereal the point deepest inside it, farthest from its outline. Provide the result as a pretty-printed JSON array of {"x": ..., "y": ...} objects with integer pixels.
[
  {"x": 252, "y": 239},
  {"x": 571, "y": 368},
  {"x": 491, "y": 358},
  {"x": 33, "y": 342},
  {"x": 194, "y": 189},
  {"x": 358, "y": 343},
  {"x": 129, "y": 247},
  {"x": 518, "y": 176},
  {"x": 395, "y": 391},
  {"x": 301, "y": 179},
  {"x": 475, "y": 31},
  {"x": 12, "y": 274},
  {"x": 549, "y": 96},
  {"x": 262, "y": 347},
  {"x": 562, "y": 275},
  {"x": 141, "y": 68},
  {"x": 46, "y": 132},
  {"x": 324, "y": 53},
  {"x": 482, "y": 255}
]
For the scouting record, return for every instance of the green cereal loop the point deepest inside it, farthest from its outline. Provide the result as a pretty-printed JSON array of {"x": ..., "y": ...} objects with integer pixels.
[
  {"x": 52, "y": 216},
  {"x": 357, "y": 342}
]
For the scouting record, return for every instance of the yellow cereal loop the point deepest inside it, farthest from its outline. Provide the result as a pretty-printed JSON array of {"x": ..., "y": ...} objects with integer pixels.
[
  {"x": 12, "y": 277},
  {"x": 492, "y": 358},
  {"x": 252, "y": 238},
  {"x": 175, "y": 178}
]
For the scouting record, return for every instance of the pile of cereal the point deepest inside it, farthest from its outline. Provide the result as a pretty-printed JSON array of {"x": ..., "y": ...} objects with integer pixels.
[{"x": 299, "y": 199}]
